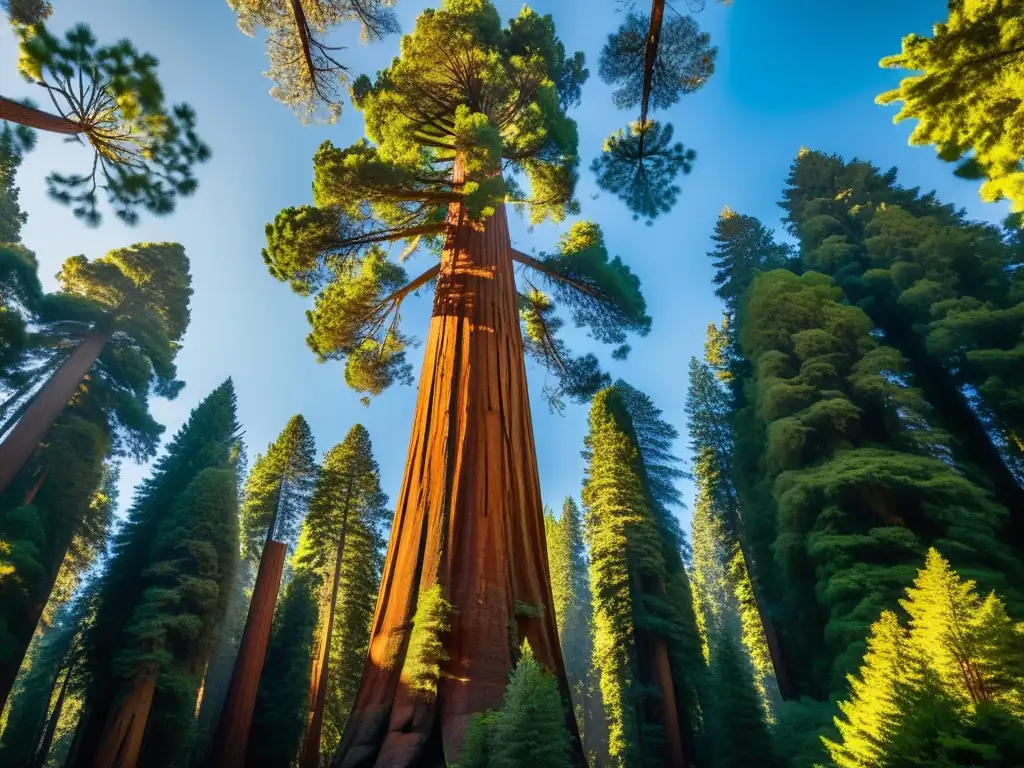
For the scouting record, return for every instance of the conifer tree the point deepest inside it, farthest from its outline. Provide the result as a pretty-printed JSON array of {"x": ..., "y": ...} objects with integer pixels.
[
  {"x": 141, "y": 647},
  {"x": 278, "y": 490},
  {"x": 636, "y": 602},
  {"x": 467, "y": 110},
  {"x": 528, "y": 729},
  {"x": 308, "y": 78},
  {"x": 110, "y": 98},
  {"x": 966, "y": 97},
  {"x": 857, "y": 472},
  {"x": 570, "y": 590},
  {"x": 945, "y": 292},
  {"x": 944, "y": 689},
  {"x": 740, "y": 734},
  {"x": 345, "y": 534},
  {"x": 652, "y": 61}
]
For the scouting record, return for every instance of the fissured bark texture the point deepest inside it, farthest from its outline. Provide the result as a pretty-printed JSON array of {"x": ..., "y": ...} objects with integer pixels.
[{"x": 468, "y": 517}]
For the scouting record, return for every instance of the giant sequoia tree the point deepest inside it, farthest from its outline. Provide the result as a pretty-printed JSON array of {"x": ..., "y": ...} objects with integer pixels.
[
  {"x": 966, "y": 96},
  {"x": 645, "y": 646},
  {"x": 467, "y": 109},
  {"x": 166, "y": 586},
  {"x": 110, "y": 98}
]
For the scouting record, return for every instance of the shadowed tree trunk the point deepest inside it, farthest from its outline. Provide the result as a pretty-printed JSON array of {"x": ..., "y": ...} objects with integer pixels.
[
  {"x": 31, "y": 495},
  {"x": 232, "y": 734},
  {"x": 310, "y": 756},
  {"x": 122, "y": 740},
  {"x": 674, "y": 751},
  {"x": 37, "y": 118},
  {"x": 469, "y": 518},
  {"x": 787, "y": 688},
  {"x": 46, "y": 406},
  {"x": 46, "y": 741}
]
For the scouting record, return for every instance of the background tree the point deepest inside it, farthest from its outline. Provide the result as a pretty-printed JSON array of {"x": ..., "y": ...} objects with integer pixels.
[
  {"x": 944, "y": 290},
  {"x": 279, "y": 487},
  {"x": 574, "y": 612},
  {"x": 130, "y": 589},
  {"x": 946, "y": 688},
  {"x": 308, "y": 79},
  {"x": 635, "y": 615},
  {"x": 965, "y": 100},
  {"x": 345, "y": 528},
  {"x": 467, "y": 107},
  {"x": 650, "y": 59},
  {"x": 26, "y": 11},
  {"x": 109, "y": 97}
]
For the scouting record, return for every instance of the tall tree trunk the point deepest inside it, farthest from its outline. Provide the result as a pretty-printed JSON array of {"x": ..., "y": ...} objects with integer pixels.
[
  {"x": 37, "y": 118},
  {"x": 46, "y": 741},
  {"x": 232, "y": 734},
  {"x": 31, "y": 494},
  {"x": 650, "y": 57},
  {"x": 46, "y": 406},
  {"x": 122, "y": 739},
  {"x": 783, "y": 678},
  {"x": 310, "y": 755},
  {"x": 675, "y": 756},
  {"x": 468, "y": 517}
]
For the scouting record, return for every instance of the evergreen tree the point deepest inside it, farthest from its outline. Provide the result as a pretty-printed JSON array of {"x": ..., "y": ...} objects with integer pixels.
[
  {"x": 278, "y": 489},
  {"x": 467, "y": 111},
  {"x": 637, "y": 599},
  {"x": 857, "y": 471},
  {"x": 945, "y": 291},
  {"x": 966, "y": 96},
  {"x": 26, "y": 11},
  {"x": 944, "y": 690},
  {"x": 131, "y": 588},
  {"x": 744, "y": 248},
  {"x": 110, "y": 98},
  {"x": 528, "y": 730},
  {"x": 740, "y": 734},
  {"x": 308, "y": 79},
  {"x": 345, "y": 532},
  {"x": 570, "y": 591}
]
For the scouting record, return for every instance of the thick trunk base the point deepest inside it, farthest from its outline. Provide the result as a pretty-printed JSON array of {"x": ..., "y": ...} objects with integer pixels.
[
  {"x": 122, "y": 740},
  {"x": 469, "y": 517},
  {"x": 232, "y": 735}
]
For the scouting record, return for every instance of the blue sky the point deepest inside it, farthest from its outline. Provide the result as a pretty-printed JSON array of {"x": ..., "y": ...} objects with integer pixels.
[{"x": 790, "y": 73}]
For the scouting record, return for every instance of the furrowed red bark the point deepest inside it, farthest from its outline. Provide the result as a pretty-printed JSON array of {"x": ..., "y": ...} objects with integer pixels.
[
  {"x": 310, "y": 755},
  {"x": 46, "y": 406},
  {"x": 37, "y": 118},
  {"x": 43, "y": 748},
  {"x": 122, "y": 739},
  {"x": 468, "y": 517},
  {"x": 232, "y": 734},
  {"x": 674, "y": 751}
]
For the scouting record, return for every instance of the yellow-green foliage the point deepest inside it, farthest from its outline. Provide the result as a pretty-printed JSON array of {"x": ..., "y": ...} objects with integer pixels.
[
  {"x": 422, "y": 670},
  {"x": 967, "y": 96},
  {"x": 936, "y": 685},
  {"x": 751, "y": 628}
]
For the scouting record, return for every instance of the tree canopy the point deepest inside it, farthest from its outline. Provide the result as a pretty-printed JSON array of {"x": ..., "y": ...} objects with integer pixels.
[{"x": 966, "y": 99}]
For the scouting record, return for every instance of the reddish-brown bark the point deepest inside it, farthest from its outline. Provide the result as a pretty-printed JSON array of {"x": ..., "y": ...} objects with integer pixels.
[
  {"x": 31, "y": 494},
  {"x": 122, "y": 738},
  {"x": 43, "y": 747},
  {"x": 674, "y": 752},
  {"x": 468, "y": 517},
  {"x": 46, "y": 406},
  {"x": 37, "y": 118},
  {"x": 651, "y": 55},
  {"x": 310, "y": 754},
  {"x": 232, "y": 734},
  {"x": 787, "y": 688}
]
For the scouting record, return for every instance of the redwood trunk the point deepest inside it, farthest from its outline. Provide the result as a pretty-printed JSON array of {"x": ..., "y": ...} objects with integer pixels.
[
  {"x": 232, "y": 734},
  {"x": 310, "y": 756},
  {"x": 31, "y": 495},
  {"x": 674, "y": 754},
  {"x": 43, "y": 748},
  {"x": 787, "y": 688},
  {"x": 468, "y": 517},
  {"x": 37, "y": 118},
  {"x": 122, "y": 740},
  {"x": 651, "y": 56},
  {"x": 46, "y": 406}
]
